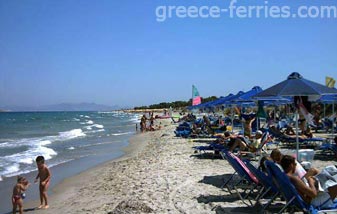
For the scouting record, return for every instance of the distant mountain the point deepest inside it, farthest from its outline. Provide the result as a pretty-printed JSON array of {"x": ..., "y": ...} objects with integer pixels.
[{"x": 64, "y": 107}]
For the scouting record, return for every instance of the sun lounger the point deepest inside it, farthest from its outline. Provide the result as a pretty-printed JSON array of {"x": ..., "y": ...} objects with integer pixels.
[
  {"x": 292, "y": 139},
  {"x": 247, "y": 178},
  {"x": 261, "y": 149},
  {"x": 215, "y": 147},
  {"x": 329, "y": 147},
  {"x": 268, "y": 186},
  {"x": 293, "y": 198}
]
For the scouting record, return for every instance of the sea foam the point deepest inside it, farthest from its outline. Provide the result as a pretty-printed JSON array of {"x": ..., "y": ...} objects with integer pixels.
[
  {"x": 74, "y": 133},
  {"x": 123, "y": 133}
]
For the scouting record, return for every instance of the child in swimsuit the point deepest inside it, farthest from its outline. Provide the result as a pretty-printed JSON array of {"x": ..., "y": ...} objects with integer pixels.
[
  {"x": 44, "y": 177},
  {"x": 17, "y": 197}
]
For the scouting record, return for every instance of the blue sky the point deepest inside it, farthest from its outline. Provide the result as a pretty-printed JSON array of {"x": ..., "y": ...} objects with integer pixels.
[{"x": 116, "y": 53}]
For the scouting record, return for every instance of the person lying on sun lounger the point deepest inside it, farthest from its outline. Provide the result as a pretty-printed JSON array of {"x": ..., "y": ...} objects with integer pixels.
[
  {"x": 289, "y": 133},
  {"x": 247, "y": 144},
  {"x": 227, "y": 138}
]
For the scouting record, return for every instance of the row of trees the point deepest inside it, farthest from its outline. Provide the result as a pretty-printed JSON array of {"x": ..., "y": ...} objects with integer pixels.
[{"x": 175, "y": 104}]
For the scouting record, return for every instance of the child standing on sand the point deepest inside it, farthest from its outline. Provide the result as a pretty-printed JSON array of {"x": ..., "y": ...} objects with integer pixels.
[
  {"x": 44, "y": 176},
  {"x": 18, "y": 195}
]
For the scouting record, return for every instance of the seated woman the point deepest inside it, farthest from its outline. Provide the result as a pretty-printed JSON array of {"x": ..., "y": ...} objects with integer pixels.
[
  {"x": 308, "y": 191},
  {"x": 246, "y": 144},
  {"x": 275, "y": 131},
  {"x": 307, "y": 133},
  {"x": 289, "y": 131},
  {"x": 227, "y": 139},
  {"x": 300, "y": 172}
]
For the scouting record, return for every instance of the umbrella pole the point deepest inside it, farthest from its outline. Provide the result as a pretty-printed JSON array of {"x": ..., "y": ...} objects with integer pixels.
[
  {"x": 297, "y": 144},
  {"x": 232, "y": 119},
  {"x": 333, "y": 119},
  {"x": 274, "y": 115}
]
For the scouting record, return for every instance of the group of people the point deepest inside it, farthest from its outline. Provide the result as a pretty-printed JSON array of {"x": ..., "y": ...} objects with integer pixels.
[
  {"x": 319, "y": 193},
  {"x": 243, "y": 143},
  {"x": 147, "y": 123},
  {"x": 207, "y": 125},
  {"x": 289, "y": 132},
  {"x": 22, "y": 184}
]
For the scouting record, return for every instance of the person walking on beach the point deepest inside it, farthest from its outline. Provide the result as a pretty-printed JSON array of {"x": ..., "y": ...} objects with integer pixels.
[
  {"x": 143, "y": 123},
  {"x": 44, "y": 176},
  {"x": 18, "y": 194}
]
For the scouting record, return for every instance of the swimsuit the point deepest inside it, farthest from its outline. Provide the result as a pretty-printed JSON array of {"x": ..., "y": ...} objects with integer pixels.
[{"x": 16, "y": 198}]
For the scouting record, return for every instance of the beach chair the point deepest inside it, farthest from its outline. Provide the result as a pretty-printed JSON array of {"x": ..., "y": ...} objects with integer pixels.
[
  {"x": 247, "y": 181},
  {"x": 329, "y": 147},
  {"x": 327, "y": 123},
  {"x": 183, "y": 133},
  {"x": 292, "y": 139},
  {"x": 261, "y": 149},
  {"x": 211, "y": 147},
  {"x": 293, "y": 198},
  {"x": 282, "y": 124},
  {"x": 268, "y": 186},
  {"x": 183, "y": 130}
]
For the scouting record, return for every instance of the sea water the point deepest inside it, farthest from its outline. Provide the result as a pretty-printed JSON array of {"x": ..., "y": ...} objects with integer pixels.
[{"x": 62, "y": 138}]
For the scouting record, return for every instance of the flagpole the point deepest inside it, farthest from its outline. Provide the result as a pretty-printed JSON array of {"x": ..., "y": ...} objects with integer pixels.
[
  {"x": 232, "y": 119},
  {"x": 333, "y": 119},
  {"x": 192, "y": 96}
]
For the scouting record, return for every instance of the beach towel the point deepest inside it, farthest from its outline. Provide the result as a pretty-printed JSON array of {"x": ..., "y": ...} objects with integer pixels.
[{"x": 326, "y": 178}]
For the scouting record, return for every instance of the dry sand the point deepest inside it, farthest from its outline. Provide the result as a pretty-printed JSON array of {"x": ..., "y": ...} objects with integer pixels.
[{"x": 159, "y": 174}]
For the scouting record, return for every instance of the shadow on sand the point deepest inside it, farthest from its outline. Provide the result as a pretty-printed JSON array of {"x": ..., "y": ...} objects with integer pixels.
[
  {"x": 216, "y": 180},
  {"x": 249, "y": 209},
  {"x": 24, "y": 210},
  {"x": 207, "y": 155},
  {"x": 324, "y": 155},
  {"x": 217, "y": 198}
]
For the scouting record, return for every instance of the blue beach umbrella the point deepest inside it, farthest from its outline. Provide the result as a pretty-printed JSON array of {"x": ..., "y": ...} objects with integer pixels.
[
  {"x": 328, "y": 99},
  {"x": 231, "y": 99},
  {"x": 214, "y": 102},
  {"x": 296, "y": 85},
  {"x": 222, "y": 99},
  {"x": 248, "y": 96}
]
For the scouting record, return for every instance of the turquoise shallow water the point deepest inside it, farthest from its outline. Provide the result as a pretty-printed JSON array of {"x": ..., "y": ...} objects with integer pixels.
[{"x": 71, "y": 142}]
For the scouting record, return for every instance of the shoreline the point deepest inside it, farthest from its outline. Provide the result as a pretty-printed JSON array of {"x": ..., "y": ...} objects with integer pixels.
[
  {"x": 68, "y": 185},
  {"x": 159, "y": 173},
  {"x": 31, "y": 202}
]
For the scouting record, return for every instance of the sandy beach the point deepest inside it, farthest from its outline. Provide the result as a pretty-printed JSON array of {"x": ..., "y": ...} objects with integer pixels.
[{"x": 159, "y": 174}]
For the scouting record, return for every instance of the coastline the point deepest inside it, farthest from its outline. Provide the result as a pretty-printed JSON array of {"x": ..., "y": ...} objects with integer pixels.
[
  {"x": 68, "y": 186},
  {"x": 159, "y": 173}
]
